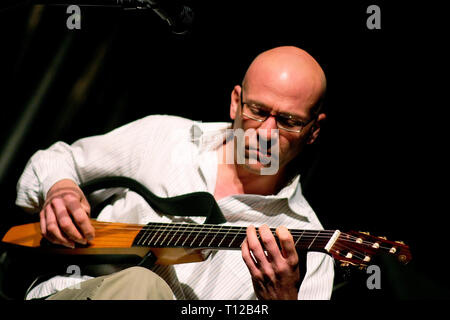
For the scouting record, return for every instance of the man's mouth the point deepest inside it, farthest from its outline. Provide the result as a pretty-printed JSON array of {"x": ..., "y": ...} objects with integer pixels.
[
  {"x": 257, "y": 154},
  {"x": 267, "y": 153}
]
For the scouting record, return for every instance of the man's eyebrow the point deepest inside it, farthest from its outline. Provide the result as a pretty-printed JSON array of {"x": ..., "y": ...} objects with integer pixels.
[{"x": 257, "y": 103}]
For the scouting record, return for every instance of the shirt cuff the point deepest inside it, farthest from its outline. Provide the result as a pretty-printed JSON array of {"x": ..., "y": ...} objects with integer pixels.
[{"x": 51, "y": 180}]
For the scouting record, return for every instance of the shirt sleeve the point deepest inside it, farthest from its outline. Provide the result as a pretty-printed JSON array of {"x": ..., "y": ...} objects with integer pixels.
[
  {"x": 319, "y": 277},
  {"x": 119, "y": 153}
]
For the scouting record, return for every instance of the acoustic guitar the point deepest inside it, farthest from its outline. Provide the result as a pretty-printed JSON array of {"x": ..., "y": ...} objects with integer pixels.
[{"x": 174, "y": 243}]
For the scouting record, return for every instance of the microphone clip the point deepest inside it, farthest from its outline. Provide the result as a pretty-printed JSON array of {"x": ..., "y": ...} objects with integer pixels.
[{"x": 178, "y": 17}]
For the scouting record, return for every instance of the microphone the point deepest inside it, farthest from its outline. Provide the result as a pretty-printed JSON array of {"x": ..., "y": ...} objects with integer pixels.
[{"x": 179, "y": 17}]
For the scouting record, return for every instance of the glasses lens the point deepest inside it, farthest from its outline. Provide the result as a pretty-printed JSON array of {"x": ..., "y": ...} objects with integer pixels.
[
  {"x": 289, "y": 123},
  {"x": 256, "y": 112}
]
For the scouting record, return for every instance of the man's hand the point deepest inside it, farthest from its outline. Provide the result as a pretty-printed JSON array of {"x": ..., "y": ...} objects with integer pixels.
[
  {"x": 275, "y": 274},
  {"x": 64, "y": 218}
]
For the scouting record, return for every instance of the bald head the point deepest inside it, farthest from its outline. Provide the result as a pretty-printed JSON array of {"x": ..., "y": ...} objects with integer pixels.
[
  {"x": 282, "y": 85},
  {"x": 287, "y": 72}
]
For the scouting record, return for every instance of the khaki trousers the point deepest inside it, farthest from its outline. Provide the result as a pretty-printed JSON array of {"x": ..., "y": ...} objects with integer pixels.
[{"x": 135, "y": 283}]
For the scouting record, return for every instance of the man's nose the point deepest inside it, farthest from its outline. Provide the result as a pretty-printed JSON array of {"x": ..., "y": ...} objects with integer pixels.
[{"x": 268, "y": 130}]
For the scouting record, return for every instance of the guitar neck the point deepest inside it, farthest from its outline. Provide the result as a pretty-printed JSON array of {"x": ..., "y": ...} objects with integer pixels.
[{"x": 173, "y": 235}]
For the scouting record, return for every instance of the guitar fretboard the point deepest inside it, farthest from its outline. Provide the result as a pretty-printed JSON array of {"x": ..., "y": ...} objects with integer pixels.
[{"x": 173, "y": 235}]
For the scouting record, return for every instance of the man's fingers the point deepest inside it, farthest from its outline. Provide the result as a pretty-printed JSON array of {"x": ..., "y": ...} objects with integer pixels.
[
  {"x": 256, "y": 248},
  {"x": 81, "y": 218},
  {"x": 254, "y": 245},
  {"x": 53, "y": 232},
  {"x": 43, "y": 222},
  {"x": 65, "y": 217},
  {"x": 65, "y": 221},
  {"x": 249, "y": 261},
  {"x": 287, "y": 245},
  {"x": 270, "y": 244},
  {"x": 85, "y": 206},
  {"x": 274, "y": 271}
]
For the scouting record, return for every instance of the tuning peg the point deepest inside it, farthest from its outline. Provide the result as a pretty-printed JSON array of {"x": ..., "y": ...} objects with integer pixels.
[
  {"x": 345, "y": 264},
  {"x": 401, "y": 242},
  {"x": 365, "y": 232},
  {"x": 382, "y": 237}
]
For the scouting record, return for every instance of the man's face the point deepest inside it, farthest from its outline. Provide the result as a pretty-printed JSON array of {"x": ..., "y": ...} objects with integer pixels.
[{"x": 266, "y": 139}]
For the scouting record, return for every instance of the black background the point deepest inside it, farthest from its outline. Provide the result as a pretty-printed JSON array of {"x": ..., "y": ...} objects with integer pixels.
[{"x": 380, "y": 164}]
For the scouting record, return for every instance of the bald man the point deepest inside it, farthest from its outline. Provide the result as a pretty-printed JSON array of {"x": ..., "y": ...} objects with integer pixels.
[{"x": 278, "y": 110}]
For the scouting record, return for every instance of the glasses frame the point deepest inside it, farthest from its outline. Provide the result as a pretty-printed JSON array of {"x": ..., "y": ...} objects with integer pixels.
[{"x": 276, "y": 116}]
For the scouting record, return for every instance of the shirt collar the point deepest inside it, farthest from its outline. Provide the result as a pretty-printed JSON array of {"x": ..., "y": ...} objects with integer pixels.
[{"x": 289, "y": 190}]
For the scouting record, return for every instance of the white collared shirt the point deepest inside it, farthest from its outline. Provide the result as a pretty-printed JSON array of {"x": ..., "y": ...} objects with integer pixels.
[{"x": 173, "y": 156}]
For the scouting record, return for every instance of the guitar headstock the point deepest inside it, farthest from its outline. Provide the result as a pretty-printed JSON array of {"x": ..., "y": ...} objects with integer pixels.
[{"x": 359, "y": 248}]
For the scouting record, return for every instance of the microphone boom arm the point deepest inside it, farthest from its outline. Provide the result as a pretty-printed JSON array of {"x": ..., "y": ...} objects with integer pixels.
[{"x": 178, "y": 17}]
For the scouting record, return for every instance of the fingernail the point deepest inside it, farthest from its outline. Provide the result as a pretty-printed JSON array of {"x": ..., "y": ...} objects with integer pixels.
[{"x": 70, "y": 245}]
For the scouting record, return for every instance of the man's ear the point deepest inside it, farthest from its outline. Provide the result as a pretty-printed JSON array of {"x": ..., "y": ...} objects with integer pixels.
[
  {"x": 315, "y": 129},
  {"x": 234, "y": 103}
]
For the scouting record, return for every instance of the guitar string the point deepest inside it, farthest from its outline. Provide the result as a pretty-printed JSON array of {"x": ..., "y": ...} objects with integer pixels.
[
  {"x": 194, "y": 227},
  {"x": 201, "y": 228},
  {"x": 304, "y": 235},
  {"x": 113, "y": 240},
  {"x": 191, "y": 234},
  {"x": 190, "y": 227}
]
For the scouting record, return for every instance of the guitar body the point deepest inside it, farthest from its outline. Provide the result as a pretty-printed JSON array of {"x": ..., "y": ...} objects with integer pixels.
[{"x": 110, "y": 239}]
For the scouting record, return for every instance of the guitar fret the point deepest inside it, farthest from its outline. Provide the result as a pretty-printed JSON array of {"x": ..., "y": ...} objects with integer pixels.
[
  {"x": 156, "y": 232},
  {"x": 218, "y": 231},
  {"x": 231, "y": 242},
  {"x": 204, "y": 237},
  {"x": 187, "y": 238},
  {"x": 223, "y": 238},
  {"x": 144, "y": 232},
  {"x": 148, "y": 235},
  {"x": 168, "y": 233},
  {"x": 160, "y": 235},
  {"x": 313, "y": 240},
  {"x": 168, "y": 243},
  {"x": 299, "y": 237},
  {"x": 197, "y": 235}
]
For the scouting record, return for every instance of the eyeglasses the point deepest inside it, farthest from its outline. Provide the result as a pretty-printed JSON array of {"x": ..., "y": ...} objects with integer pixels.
[{"x": 284, "y": 121}]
